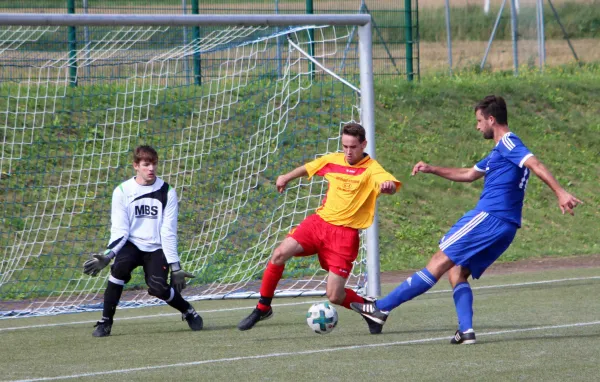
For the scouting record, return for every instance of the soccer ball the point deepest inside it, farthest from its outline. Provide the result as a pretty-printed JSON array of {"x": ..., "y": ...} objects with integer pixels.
[{"x": 322, "y": 317}]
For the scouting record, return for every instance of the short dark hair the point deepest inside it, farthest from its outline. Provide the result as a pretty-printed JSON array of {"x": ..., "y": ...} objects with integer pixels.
[
  {"x": 146, "y": 153},
  {"x": 494, "y": 106},
  {"x": 355, "y": 130}
]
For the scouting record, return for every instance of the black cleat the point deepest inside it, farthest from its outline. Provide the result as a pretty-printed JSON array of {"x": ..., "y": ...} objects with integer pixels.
[
  {"x": 370, "y": 311},
  {"x": 193, "y": 319},
  {"x": 374, "y": 327},
  {"x": 102, "y": 328},
  {"x": 463, "y": 338},
  {"x": 254, "y": 317}
]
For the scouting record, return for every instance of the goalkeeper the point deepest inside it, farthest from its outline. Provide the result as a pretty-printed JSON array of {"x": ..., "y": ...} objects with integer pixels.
[
  {"x": 355, "y": 182},
  {"x": 143, "y": 233}
]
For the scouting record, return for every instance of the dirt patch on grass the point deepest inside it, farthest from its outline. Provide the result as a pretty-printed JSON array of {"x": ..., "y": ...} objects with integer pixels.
[
  {"x": 434, "y": 55},
  {"x": 522, "y": 266}
]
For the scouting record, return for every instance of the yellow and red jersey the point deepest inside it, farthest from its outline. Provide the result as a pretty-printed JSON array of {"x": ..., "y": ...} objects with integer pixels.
[{"x": 353, "y": 189}]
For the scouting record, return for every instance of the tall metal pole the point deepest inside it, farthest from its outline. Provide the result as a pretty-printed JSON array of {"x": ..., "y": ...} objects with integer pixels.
[
  {"x": 514, "y": 32},
  {"x": 196, "y": 39},
  {"x": 86, "y": 36},
  {"x": 278, "y": 52},
  {"x": 186, "y": 68},
  {"x": 449, "y": 36},
  {"x": 492, "y": 35},
  {"x": 72, "y": 46},
  {"x": 542, "y": 35},
  {"x": 311, "y": 37},
  {"x": 367, "y": 108},
  {"x": 565, "y": 34},
  {"x": 409, "y": 39}
]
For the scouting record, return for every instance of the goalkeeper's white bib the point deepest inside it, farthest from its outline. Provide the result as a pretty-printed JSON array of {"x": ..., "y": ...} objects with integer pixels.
[{"x": 145, "y": 216}]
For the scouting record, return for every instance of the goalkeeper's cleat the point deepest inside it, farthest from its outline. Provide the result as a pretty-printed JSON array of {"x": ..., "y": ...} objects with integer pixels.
[
  {"x": 193, "y": 319},
  {"x": 254, "y": 317},
  {"x": 103, "y": 328},
  {"x": 369, "y": 310},
  {"x": 463, "y": 338}
]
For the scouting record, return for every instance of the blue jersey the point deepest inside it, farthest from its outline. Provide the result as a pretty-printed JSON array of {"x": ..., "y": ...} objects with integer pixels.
[{"x": 505, "y": 179}]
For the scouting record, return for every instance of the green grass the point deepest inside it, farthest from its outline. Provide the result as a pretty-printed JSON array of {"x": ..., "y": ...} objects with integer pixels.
[
  {"x": 518, "y": 339},
  {"x": 556, "y": 115}
]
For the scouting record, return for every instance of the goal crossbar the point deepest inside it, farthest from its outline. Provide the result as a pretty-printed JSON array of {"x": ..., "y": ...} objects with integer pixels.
[{"x": 36, "y": 19}]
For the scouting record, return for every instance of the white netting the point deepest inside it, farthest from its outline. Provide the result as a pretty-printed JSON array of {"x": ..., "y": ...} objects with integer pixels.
[{"x": 260, "y": 110}]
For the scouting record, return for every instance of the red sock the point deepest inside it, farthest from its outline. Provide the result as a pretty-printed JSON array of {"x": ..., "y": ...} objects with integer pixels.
[
  {"x": 351, "y": 297},
  {"x": 269, "y": 283}
]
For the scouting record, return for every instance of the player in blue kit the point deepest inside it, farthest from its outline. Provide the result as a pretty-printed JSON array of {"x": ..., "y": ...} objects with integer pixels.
[{"x": 484, "y": 233}]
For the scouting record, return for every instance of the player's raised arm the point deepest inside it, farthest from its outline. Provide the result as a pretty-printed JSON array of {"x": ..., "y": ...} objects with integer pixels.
[
  {"x": 453, "y": 174},
  {"x": 566, "y": 201},
  {"x": 283, "y": 180}
]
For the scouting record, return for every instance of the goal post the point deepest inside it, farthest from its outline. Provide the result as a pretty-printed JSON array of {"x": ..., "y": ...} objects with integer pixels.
[{"x": 69, "y": 120}]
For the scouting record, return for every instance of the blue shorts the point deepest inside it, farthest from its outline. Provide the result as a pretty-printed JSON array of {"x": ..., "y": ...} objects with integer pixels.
[{"x": 477, "y": 240}]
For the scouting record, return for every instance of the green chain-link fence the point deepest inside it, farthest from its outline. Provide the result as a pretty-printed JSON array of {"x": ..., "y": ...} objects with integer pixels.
[{"x": 396, "y": 28}]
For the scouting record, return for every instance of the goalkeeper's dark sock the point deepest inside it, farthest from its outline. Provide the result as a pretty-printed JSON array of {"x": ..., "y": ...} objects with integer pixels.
[
  {"x": 463, "y": 301},
  {"x": 269, "y": 283},
  {"x": 178, "y": 302},
  {"x": 112, "y": 295},
  {"x": 417, "y": 284},
  {"x": 351, "y": 297}
]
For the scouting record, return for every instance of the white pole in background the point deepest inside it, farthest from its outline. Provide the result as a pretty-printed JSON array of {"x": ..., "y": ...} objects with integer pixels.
[
  {"x": 514, "y": 28},
  {"x": 541, "y": 34},
  {"x": 449, "y": 36}
]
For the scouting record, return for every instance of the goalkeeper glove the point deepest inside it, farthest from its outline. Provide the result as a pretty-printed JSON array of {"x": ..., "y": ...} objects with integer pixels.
[
  {"x": 98, "y": 262},
  {"x": 178, "y": 276}
]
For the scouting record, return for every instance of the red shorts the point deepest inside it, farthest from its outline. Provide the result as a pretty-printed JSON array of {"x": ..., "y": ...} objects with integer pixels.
[{"x": 336, "y": 246}]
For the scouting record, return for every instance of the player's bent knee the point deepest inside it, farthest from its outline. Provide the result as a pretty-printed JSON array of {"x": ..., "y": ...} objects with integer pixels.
[
  {"x": 458, "y": 275},
  {"x": 279, "y": 257},
  {"x": 122, "y": 276},
  {"x": 158, "y": 287},
  {"x": 336, "y": 297}
]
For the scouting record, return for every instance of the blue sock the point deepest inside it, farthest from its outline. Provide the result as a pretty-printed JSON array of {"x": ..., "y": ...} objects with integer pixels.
[
  {"x": 463, "y": 300},
  {"x": 414, "y": 286}
]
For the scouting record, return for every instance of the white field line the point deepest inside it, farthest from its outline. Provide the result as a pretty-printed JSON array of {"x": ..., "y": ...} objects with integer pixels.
[
  {"x": 304, "y": 352},
  {"x": 291, "y": 304},
  {"x": 524, "y": 284}
]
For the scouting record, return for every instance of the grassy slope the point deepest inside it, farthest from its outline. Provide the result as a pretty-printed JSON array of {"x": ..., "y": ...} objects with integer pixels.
[{"x": 557, "y": 117}]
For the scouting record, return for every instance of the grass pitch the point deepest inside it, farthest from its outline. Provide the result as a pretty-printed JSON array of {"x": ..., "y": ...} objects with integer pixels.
[{"x": 532, "y": 326}]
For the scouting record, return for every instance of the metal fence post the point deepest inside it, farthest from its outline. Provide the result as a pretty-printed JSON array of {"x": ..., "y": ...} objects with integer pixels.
[
  {"x": 409, "y": 39},
  {"x": 449, "y": 36},
  {"x": 279, "y": 43},
  {"x": 72, "y": 46},
  {"x": 311, "y": 37},
  {"x": 196, "y": 39},
  {"x": 514, "y": 33}
]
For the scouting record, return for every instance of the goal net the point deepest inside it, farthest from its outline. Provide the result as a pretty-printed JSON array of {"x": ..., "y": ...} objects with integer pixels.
[{"x": 228, "y": 108}]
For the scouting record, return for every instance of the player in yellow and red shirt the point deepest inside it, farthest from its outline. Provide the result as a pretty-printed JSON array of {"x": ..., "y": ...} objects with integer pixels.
[{"x": 355, "y": 182}]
